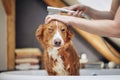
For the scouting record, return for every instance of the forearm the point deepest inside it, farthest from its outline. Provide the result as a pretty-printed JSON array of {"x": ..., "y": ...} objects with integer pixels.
[
  {"x": 95, "y": 14},
  {"x": 100, "y": 27}
]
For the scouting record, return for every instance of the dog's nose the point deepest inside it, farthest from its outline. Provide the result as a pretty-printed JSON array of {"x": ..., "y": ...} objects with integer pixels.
[{"x": 57, "y": 42}]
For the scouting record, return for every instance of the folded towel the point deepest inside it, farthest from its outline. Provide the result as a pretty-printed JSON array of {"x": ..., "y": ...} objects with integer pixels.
[
  {"x": 27, "y": 60},
  {"x": 22, "y": 57},
  {"x": 26, "y": 66},
  {"x": 31, "y": 63},
  {"x": 24, "y": 52}
]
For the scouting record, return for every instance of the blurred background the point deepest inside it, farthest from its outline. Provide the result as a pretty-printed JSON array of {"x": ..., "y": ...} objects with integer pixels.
[{"x": 19, "y": 20}]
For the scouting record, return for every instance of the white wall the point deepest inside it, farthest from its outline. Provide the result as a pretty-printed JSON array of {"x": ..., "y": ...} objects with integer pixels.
[
  {"x": 104, "y": 5},
  {"x": 3, "y": 38},
  {"x": 96, "y": 4}
]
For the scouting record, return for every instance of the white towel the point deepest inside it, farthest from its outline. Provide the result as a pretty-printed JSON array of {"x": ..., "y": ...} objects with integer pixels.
[
  {"x": 27, "y": 60},
  {"x": 27, "y": 66}
]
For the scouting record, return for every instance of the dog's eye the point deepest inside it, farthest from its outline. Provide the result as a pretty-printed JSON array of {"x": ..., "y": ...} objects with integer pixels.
[
  {"x": 63, "y": 30},
  {"x": 50, "y": 30}
]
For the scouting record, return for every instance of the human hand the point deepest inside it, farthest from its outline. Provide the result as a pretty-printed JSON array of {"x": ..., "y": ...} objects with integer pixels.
[
  {"x": 78, "y": 8},
  {"x": 62, "y": 18}
]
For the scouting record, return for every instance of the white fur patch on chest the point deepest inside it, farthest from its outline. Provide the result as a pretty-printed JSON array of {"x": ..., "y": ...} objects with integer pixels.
[
  {"x": 53, "y": 52},
  {"x": 59, "y": 66}
]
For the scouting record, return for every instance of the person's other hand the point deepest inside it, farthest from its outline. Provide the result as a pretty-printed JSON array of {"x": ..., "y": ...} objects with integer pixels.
[{"x": 61, "y": 18}]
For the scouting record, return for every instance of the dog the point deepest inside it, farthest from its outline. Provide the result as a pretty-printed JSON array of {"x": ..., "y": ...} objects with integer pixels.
[{"x": 60, "y": 56}]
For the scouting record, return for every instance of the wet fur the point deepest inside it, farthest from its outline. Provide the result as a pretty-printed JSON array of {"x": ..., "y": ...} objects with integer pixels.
[{"x": 67, "y": 52}]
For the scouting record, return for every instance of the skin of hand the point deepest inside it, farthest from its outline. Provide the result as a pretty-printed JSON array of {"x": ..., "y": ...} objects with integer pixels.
[
  {"x": 78, "y": 8},
  {"x": 100, "y": 27},
  {"x": 103, "y": 23},
  {"x": 61, "y": 18},
  {"x": 94, "y": 14}
]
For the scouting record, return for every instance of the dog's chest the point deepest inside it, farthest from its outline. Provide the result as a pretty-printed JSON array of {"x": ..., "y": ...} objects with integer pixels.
[{"x": 58, "y": 67}]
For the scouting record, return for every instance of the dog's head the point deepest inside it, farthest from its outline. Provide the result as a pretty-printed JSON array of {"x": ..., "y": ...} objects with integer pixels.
[{"x": 54, "y": 34}]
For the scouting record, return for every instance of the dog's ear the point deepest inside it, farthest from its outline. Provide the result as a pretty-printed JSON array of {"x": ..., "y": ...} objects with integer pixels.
[
  {"x": 39, "y": 34},
  {"x": 69, "y": 35}
]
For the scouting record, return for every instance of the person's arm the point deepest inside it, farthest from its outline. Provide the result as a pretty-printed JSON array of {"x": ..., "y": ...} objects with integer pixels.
[
  {"x": 114, "y": 6},
  {"x": 108, "y": 28},
  {"x": 104, "y": 27},
  {"x": 95, "y": 14}
]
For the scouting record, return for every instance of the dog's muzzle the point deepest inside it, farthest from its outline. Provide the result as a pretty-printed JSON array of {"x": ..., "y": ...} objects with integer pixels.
[{"x": 57, "y": 42}]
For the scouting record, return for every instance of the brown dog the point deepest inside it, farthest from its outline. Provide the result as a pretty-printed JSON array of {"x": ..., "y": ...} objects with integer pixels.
[{"x": 60, "y": 57}]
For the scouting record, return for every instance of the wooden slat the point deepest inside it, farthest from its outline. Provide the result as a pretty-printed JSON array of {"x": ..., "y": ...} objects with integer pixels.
[
  {"x": 55, "y": 3},
  {"x": 100, "y": 46},
  {"x": 95, "y": 40},
  {"x": 11, "y": 43},
  {"x": 9, "y": 6}
]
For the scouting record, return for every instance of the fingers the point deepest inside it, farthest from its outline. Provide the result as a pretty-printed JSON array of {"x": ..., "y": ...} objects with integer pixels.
[
  {"x": 77, "y": 13},
  {"x": 61, "y": 18},
  {"x": 80, "y": 13},
  {"x": 78, "y": 8},
  {"x": 73, "y": 7},
  {"x": 48, "y": 19}
]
